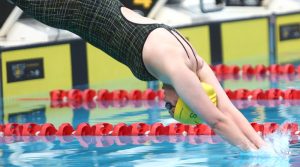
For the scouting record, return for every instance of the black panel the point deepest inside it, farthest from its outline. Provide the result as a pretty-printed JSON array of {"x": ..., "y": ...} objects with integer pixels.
[
  {"x": 243, "y": 2},
  {"x": 216, "y": 43},
  {"x": 79, "y": 64},
  {"x": 23, "y": 70},
  {"x": 290, "y": 31}
]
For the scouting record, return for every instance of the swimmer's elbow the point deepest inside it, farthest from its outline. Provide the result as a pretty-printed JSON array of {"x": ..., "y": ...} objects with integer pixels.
[{"x": 219, "y": 124}]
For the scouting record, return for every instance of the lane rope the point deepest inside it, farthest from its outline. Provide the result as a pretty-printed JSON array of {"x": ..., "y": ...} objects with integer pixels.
[
  {"x": 135, "y": 129},
  {"x": 89, "y": 95},
  {"x": 260, "y": 69},
  {"x": 108, "y": 141}
]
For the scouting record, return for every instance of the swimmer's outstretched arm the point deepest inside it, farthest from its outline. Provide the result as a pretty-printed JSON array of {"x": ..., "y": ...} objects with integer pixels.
[
  {"x": 205, "y": 74},
  {"x": 226, "y": 106},
  {"x": 187, "y": 85}
]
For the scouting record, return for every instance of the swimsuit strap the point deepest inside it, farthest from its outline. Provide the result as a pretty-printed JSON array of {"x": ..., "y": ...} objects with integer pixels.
[{"x": 183, "y": 38}]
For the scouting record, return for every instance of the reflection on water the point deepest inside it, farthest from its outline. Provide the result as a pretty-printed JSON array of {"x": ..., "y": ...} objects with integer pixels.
[
  {"x": 135, "y": 151},
  {"x": 106, "y": 141}
]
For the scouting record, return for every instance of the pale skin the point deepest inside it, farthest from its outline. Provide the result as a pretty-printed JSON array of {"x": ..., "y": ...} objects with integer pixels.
[{"x": 166, "y": 59}]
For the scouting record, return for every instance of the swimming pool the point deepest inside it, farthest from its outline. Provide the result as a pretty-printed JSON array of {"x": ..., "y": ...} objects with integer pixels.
[{"x": 144, "y": 151}]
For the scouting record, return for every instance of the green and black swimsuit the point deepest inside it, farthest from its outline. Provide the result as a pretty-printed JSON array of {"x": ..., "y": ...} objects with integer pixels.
[{"x": 99, "y": 22}]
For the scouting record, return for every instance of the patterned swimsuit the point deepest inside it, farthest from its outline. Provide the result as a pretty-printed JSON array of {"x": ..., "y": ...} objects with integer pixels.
[{"x": 101, "y": 23}]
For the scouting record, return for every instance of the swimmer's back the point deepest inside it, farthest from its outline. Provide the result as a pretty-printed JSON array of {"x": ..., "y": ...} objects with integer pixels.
[{"x": 101, "y": 23}]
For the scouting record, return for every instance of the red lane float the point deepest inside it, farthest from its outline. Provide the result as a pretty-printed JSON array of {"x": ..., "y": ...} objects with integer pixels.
[
  {"x": 103, "y": 95},
  {"x": 241, "y": 94},
  {"x": 58, "y": 95},
  {"x": 149, "y": 95},
  {"x": 76, "y": 98},
  {"x": 47, "y": 129},
  {"x": 135, "y": 94},
  {"x": 89, "y": 95},
  {"x": 220, "y": 69},
  {"x": 266, "y": 128},
  {"x": 30, "y": 129},
  {"x": 248, "y": 69},
  {"x": 65, "y": 129},
  {"x": 274, "y": 94},
  {"x": 287, "y": 69},
  {"x": 135, "y": 129},
  {"x": 273, "y": 69},
  {"x": 103, "y": 129},
  {"x": 259, "y": 94},
  {"x": 260, "y": 69},
  {"x": 291, "y": 94}
]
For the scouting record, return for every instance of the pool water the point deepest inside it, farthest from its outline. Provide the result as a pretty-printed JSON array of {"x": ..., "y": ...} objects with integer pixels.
[{"x": 145, "y": 150}]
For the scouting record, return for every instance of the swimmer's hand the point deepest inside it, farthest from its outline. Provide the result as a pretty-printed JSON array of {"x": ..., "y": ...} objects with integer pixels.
[{"x": 270, "y": 151}]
